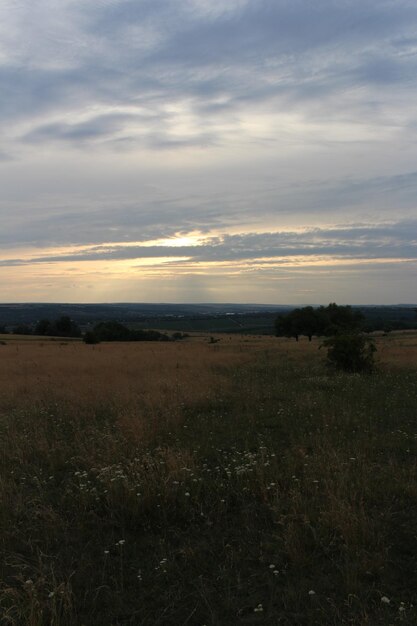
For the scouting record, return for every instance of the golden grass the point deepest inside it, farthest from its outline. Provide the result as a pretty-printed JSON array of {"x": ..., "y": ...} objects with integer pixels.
[
  {"x": 398, "y": 349},
  {"x": 150, "y": 374},
  {"x": 126, "y": 374}
]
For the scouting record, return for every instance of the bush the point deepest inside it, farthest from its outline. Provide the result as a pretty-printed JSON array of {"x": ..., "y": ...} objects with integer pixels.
[
  {"x": 178, "y": 336},
  {"x": 114, "y": 331},
  {"x": 90, "y": 338},
  {"x": 351, "y": 353}
]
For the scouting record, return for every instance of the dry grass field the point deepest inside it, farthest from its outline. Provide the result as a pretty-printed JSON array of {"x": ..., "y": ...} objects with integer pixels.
[
  {"x": 144, "y": 373},
  {"x": 237, "y": 482}
]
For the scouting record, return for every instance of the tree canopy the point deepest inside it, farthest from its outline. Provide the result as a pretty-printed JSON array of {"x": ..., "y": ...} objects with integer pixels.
[
  {"x": 64, "y": 326},
  {"x": 322, "y": 321}
]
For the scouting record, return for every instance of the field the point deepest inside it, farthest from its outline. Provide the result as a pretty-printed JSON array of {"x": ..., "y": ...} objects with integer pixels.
[{"x": 197, "y": 483}]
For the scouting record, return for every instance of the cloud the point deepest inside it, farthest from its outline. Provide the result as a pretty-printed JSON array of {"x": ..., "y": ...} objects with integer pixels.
[
  {"x": 94, "y": 128},
  {"x": 165, "y": 57},
  {"x": 168, "y": 204},
  {"x": 358, "y": 242}
]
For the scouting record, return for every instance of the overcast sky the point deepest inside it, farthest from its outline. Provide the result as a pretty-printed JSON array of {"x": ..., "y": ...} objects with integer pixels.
[{"x": 208, "y": 151}]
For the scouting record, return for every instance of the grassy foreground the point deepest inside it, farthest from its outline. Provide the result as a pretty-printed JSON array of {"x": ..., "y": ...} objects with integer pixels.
[{"x": 226, "y": 484}]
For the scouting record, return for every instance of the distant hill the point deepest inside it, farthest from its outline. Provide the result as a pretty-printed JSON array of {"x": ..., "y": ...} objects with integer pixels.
[
  {"x": 399, "y": 317},
  {"x": 204, "y": 317}
]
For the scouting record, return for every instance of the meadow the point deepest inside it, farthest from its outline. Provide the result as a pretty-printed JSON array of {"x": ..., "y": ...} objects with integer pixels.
[{"x": 198, "y": 483}]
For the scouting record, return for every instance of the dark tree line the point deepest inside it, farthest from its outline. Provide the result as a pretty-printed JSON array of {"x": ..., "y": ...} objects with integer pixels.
[
  {"x": 64, "y": 326},
  {"x": 115, "y": 331},
  {"x": 323, "y": 321}
]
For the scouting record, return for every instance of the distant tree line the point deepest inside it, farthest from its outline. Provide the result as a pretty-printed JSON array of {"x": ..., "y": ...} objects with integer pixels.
[
  {"x": 115, "y": 331},
  {"x": 64, "y": 326},
  {"x": 322, "y": 321},
  {"x": 390, "y": 319}
]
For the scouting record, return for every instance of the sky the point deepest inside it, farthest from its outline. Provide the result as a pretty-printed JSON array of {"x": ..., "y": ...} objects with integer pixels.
[{"x": 208, "y": 151}]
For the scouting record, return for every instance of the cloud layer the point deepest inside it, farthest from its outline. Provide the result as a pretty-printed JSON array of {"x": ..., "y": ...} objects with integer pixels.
[
  {"x": 355, "y": 243},
  {"x": 273, "y": 129}
]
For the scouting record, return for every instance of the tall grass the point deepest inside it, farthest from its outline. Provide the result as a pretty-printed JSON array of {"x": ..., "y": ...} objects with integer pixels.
[{"x": 234, "y": 483}]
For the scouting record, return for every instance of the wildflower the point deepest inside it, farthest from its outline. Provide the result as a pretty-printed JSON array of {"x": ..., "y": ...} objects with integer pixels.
[
  {"x": 311, "y": 592},
  {"x": 258, "y": 609},
  {"x": 385, "y": 600}
]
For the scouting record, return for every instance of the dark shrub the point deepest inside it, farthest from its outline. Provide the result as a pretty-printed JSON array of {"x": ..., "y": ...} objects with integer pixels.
[
  {"x": 351, "y": 353},
  {"x": 90, "y": 338}
]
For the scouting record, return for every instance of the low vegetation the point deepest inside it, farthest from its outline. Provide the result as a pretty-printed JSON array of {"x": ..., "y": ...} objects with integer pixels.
[
  {"x": 114, "y": 331},
  {"x": 351, "y": 353},
  {"x": 236, "y": 482}
]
